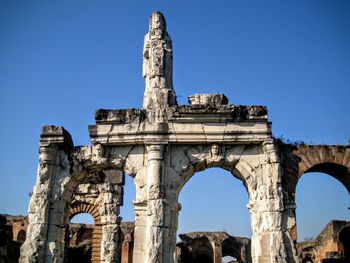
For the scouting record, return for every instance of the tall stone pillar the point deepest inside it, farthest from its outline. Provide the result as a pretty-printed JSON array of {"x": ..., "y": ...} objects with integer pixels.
[
  {"x": 45, "y": 215},
  {"x": 155, "y": 204},
  {"x": 266, "y": 210},
  {"x": 110, "y": 222},
  {"x": 158, "y": 65}
]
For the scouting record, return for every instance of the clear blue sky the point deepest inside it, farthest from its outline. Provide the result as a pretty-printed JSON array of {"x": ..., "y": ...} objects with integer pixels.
[{"x": 61, "y": 60}]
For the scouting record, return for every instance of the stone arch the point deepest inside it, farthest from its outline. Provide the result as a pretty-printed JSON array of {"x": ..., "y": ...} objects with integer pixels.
[
  {"x": 95, "y": 179},
  {"x": 97, "y": 231},
  {"x": 300, "y": 159},
  {"x": 338, "y": 171},
  {"x": 230, "y": 158},
  {"x": 239, "y": 172},
  {"x": 258, "y": 167}
]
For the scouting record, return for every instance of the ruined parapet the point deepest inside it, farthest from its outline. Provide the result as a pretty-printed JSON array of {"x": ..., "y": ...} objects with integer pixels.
[
  {"x": 329, "y": 246},
  {"x": 158, "y": 65}
]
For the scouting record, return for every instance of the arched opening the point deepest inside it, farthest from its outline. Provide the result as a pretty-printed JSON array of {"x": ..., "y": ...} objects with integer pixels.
[
  {"x": 320, "y": 198},
  {"x": 21, "y": 236},
  {"x": 202, "y": 251},
  {"x": 82, "y": 218},
  {"x": 344, "y": 238},
  {"x": 232, "y": 249},
  {"x": 127, "y": 208},
  {"x": 126, "y": 243},
  {"x": 80, "y": 239},
  {"x": 307, "y": 260},
  {"x": 215, "y": 201}
]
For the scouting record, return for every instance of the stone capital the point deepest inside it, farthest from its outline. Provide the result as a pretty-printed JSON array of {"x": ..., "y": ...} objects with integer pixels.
[{"x": 155, "y": 151}]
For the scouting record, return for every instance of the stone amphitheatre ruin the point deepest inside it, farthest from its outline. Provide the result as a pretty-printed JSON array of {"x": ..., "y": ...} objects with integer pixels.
[{"x": 161, "y": 146}]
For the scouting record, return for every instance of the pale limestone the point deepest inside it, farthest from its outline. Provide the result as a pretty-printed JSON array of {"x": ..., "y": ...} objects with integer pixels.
[{"x": 161, "y": 147}]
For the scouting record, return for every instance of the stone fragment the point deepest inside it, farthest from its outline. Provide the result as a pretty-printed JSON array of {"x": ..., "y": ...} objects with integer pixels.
[{"x": 213, "y": 100}]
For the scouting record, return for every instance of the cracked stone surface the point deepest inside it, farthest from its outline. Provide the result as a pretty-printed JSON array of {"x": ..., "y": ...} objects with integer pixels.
[{"x": 161, "y": 147}]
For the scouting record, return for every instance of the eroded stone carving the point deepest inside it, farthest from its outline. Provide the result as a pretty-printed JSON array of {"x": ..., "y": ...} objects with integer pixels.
[
  {"x": 214, "y": 157},
  {"x": 157, "y": 65},
  {"x": 161, "y": 147},
  {"x": 97, "y": 155},
  {"x": 201, "y": 159}
]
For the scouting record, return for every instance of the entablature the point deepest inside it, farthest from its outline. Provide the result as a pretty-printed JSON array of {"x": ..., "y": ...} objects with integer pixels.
[{"x": 188, "y": 124}]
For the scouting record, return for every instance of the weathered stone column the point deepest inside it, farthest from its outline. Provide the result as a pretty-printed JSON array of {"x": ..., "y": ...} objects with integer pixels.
[
  {"x": 155, "y": 204},
  {"x": 45, "y": 215},
  {"x": 110, "y": 222},
  {"x": 289, "y": 229},
  {"x": 140, "y": 239},
  {"x": 266, "y": 210}
]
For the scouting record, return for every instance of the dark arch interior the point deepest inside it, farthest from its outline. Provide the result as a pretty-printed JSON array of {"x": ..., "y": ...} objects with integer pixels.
[
  {"x": 202, "y": 258},
  {"x": 231, "y": 248},
  {"x": 307, "y": 260},
  {"x": 344, "y": 237},
  {"x": 21, "y": 236}
]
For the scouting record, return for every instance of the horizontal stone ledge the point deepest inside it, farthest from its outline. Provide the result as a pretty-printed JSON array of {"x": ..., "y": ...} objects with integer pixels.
[
  {"x": 166, "y": 129},
  {"x": 227, "y": 140},
  {"x": 56, "y": 135}
]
